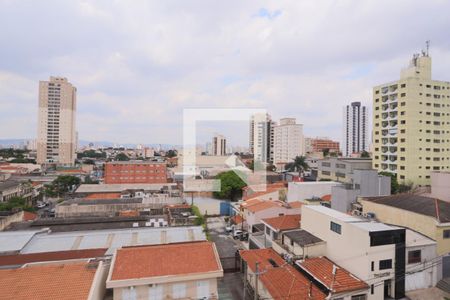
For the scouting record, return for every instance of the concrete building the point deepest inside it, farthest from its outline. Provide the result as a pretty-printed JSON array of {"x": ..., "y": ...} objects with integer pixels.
[
  {"x": 219, "y": 145},
  {"x": 273, "y": 229},
  {"x": 340, "y": 169},
  {"x": 120, "y": 172},
  {"x": 56, "y": 139},
  {"x": 355, "y": 138},
  {"x": 369, "y": 250},
  {"x": 174, "y": 271},
  {"x": 301, "y": 191},
  {"x": 319, "y": 144},
  {"x": 411, "y": 128},
  {"x": 364, "y": 183},
  {"x": 261, "y": 137},
  {"x": 288, "y": 142},
  {"x": 440, "y": 185}
]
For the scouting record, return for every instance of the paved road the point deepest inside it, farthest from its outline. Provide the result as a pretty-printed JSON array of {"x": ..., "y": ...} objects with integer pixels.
[
  {"x": 231, "y": 286},
  {"x": 226, "y": 245}
]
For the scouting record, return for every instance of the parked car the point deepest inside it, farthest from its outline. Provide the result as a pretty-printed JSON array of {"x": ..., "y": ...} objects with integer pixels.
[
  {"x": 244, "y": 236},
  {"x": 237, "y": 234},
  {"x": 40, "y": 205},
  {"x": 229, "y": 228}
]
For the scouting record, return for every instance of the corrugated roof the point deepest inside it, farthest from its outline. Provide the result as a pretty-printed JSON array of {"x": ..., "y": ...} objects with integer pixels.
[
  {"x": 165, "y": 260},
  {"x": 321, "y": 268},
  {"x": 435, "y": 208},
  {"x": 20, "y": 259},
  {"x": 302, "y": 237},
  {"x": 54, "y": 281}
]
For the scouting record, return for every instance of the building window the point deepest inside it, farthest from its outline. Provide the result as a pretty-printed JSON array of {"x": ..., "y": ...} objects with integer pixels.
[
  {"x": 359, "y": 297},
  {"x": 335, "y": 227},
  {"x": 414, "y": 257},
  {"x": 385, "y": 264},
  {"x": 446, "y": 234},
  {"x": 372, "y": 289},
  {"x": 179, "y": 290},
  {"x": 372, "y": 266}
]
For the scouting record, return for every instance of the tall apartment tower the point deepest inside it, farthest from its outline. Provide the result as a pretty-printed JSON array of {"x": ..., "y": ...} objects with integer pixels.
[
  {"x": 56, "y": 142},
  {"x": 355, "y": 138},
  {"x": 261, "y": 139},
  {"x": 411, "y": 124},
  {"x": 219, "y": 145},
  {"x": 288, "y": 142}
]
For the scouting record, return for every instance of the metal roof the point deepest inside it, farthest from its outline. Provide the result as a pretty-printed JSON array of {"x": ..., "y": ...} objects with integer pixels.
[{"x": 105, "y": 188}]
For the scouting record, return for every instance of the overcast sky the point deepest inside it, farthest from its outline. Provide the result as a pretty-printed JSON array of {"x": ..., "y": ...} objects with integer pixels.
[{"x": 138, "y": 64}]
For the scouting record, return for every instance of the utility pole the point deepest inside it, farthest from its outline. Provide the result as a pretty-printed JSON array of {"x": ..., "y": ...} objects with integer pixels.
[{"x": 256, "y": 280}]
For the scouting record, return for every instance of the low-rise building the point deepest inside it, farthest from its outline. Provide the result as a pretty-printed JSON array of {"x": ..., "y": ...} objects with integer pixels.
[
  {"x": 300, "y": 191},
  {"x": 120, "y": 172},
  {"x": 440, "y": 185},
  {"x": 57, "y": 280},
  {"x": 174, "y": 271},
  {"x": 371, "y": 251},
  {"x": 275, "y": 278},
  {"x": 339, "y": 169},
  {"x": 364, "y": 183},
  {"x": 273, "y": 228},
  {"x": 299, "y": 244}
]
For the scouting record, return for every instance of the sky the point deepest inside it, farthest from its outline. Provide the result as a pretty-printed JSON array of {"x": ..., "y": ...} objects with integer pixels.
[{"x": 138, "y": 64}]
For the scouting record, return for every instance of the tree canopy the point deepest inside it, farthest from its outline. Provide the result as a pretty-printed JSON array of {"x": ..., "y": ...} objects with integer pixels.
[
  {"x": 230, "y": 186},
  {"x": 298, "y": 165},
  {"x": 122, "y": 157},
  {"x": 15, "y": 203},
  {"x": 61, "y": 185}
]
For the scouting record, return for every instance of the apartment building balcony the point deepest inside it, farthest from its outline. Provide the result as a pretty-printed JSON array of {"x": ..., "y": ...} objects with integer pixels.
[
  {"x": 393, "y": 158},
  {"x": 393, "y": 167},
  {"x": 384, "y": 166}
]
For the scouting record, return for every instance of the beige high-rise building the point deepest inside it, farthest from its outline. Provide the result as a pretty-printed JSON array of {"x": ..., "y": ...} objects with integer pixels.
[
  {"x": 411, "y": 124},
  {"x": 219, "y": 145},
  {"x": 288, "y": 142},
  {"x": 56, "y": 142}
]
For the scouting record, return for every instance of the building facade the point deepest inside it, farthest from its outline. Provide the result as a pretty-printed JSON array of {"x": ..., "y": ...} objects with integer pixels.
[
  {"x": 411, "y": 124},
  {"x": 120, "y": 172},
  {"x": 56, "y": 142},
  {"x": 288, "y": 142},
  {"x": 261, "y": 138},
  {"x": 340, "y": 169},
  {"x": 355, "y": 137},
  {"x": 320, "y": 144},
  {"x": 219, "y": 145}
]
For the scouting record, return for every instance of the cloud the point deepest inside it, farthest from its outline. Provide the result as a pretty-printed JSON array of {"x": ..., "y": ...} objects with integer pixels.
[{"x": 138, "y": 64}]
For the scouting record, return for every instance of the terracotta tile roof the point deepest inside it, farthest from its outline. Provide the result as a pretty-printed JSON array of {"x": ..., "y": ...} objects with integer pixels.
[
  {"x": 282, "y": 281},
  {"x": 285, "y": 222},
  {"x": 53, "y": 281},
  {"x": 261, "y": 193},
  {"x": 321, "y": 268},
  {"x": 295, "y": 204},
  {"x": 263, "y": 205},
  {"x": 103, "y": 196},
  {"x": 326, "y": 198},
  {"x": 165, "y": 260},
  {"x": 29, "y": 216},
  {"x": 247, "y": 203},
  {"x": 237, "y": 219},
  {"x": 20, "y": 259}
]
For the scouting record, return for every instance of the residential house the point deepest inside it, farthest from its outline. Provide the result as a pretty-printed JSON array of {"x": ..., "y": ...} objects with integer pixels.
[
  {"x": 273, "y": 227},
  {"x": 173, "y": 271},
  {"x": 275, "y": 278}
]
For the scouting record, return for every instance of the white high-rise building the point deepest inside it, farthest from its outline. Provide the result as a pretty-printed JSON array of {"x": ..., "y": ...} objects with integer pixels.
[
  {"x": 56, "y": 142},
  {"x": 261, "y": 137},
  {"x": 355, "y": 137},
  {"x": 219, "y": 145},
  {"x": 288, "y": 142}
]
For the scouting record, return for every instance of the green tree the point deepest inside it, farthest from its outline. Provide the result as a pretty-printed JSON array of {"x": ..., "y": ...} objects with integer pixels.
[
  {"x": 365, "y": 154},
  {"x": 122, "y": 157},
  {"x": 61, "y": 185},
  {"x": 394, "y": 182},
  {"x": 171, "y": 153},
  {"x": 15, "y": 203},
  {"x": 326, "y": 152},
  {"x": 298, "y": 165},
  {"x": 230, "y": 186}
]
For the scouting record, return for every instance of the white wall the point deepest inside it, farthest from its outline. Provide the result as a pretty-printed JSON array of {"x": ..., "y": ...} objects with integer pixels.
[{"x": 299, "y": 191}]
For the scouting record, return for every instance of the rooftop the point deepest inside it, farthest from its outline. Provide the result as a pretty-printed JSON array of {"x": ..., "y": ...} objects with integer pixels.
[
  {"x": 117, "y": 188},
  {"x": 285, "y": 222},
  {"x": 135, "y": 162},
  {"x": 5, "y": 185},
  {"x": 435, "y": 208},
  {"x": 302, "y": 237},
  {"x": 165, "y": 260},
  {"x": 52, "y": 281},
  {"x": 21, "y": 259},
  {"x": 281, "y": 280},
  {"x": 321, "y": 269},
  {"x": 45, "y": 241},
  {"x": 103, "y": 196}
]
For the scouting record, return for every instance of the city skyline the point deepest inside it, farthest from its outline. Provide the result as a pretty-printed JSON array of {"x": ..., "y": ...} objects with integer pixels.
[{"x": 135, "y": 72}]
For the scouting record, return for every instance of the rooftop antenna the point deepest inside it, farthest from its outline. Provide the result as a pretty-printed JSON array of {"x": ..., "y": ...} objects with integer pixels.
[{"x": 428, "y": 46}]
